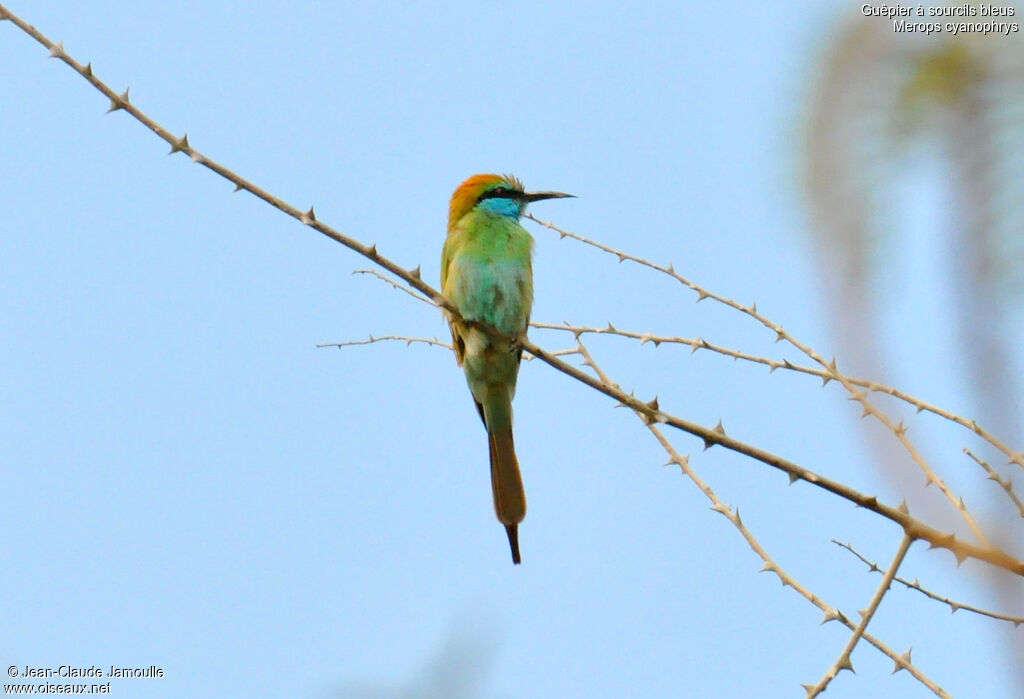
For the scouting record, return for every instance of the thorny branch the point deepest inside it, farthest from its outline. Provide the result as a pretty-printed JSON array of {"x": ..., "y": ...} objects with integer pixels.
[
  {"x": 651, "y": 411},
  {"x": 900, "y": 662},
  {"x": 900, "y": 431},
  {"x": 843, "y": 661},
  {"x": 954, "y": 606}
]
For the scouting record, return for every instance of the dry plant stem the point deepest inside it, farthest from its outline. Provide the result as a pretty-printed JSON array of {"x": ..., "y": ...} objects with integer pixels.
[
  {"x": 388, "y": 338},
  {"x": 374, "y": 339},
  {"x": 1005, "y": 483},
  {"x": 773, "y": 364},
  {"x": 900, "y": 662},
  {"x": 825, "y": 375},
  {"x": 843, "y": 661},
  {"x": 900, "y": 431},
  {"x": 710, "y": 436},
  {"x": 915, "y": 585},
  {"x": 394, "y": 284}
]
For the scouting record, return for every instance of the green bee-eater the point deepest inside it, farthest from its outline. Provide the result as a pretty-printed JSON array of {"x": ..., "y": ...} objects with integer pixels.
[{"x": 486, "y": 271}]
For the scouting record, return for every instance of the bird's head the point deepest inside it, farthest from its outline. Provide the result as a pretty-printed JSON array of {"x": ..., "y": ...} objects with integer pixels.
[{"x": 497, "y": 194}]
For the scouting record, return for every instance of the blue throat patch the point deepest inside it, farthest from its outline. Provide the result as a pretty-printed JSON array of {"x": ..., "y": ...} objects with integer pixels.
[{"x": 503, "y": 206}]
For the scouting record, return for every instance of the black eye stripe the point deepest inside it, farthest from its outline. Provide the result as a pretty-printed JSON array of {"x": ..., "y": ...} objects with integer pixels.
[{"x": 497, "y": 192}]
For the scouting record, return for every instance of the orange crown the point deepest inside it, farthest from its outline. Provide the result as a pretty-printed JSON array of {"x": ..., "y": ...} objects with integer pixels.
[{"x": 467, "y": 194}]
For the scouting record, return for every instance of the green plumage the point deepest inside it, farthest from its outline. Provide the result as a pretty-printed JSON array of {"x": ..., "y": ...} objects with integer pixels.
[{"x": 487, "y": 273}]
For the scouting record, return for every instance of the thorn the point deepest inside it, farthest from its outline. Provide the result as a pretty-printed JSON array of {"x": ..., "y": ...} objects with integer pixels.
[
  {"x": 373, "y": 250},
  {"x": 119, "y": 102},
  {"x": 87, "y": 71},
  {"x": 793, "y": 477},
  {"x": 766, "y": 567},
  {"x": 832, "y": 366},
  {"x": 696, "y": 345},
  {"x": 671, "y": 269},
  {"x": 611, "y": 328},
  {"x": 901, "y": 429},
  {"x": 871, "y": 503},
  {"x": 780, "y": 335},
  {"x": 809, "y": 688},
  {"x": 701, "y": 295},
  {"x": 847, "y": 665},
  {"x": 753, "y": 307},
  {"x": 622, "y": 257},
  {"x": 722, "y": 509},
  {"x": 830, "y": 615},
  {"x": 773, "y": 366},
  {"x": 902, "y": 662},
  {"x": 903, "y": 507},
  {"x": 825, "y": 379},
  {"x": 953, "y": 607},
  {"x": 788, "y": 364},
  {"x": 180, "y": 145},
  {"x": 720, "y": 429},
  {"x": 238, "y": 187},
  {"x": 57, "y": 50},
  {"x": 653, "y": 405}
]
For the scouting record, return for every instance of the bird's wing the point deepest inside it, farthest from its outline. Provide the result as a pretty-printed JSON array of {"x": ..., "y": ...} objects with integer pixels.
[{"x": 458, "y": 342}]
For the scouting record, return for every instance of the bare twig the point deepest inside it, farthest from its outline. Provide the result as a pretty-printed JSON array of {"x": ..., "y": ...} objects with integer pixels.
[
  {"x": 388, "y": 338},
  {"x": 954, "y": 606},
  {"x": 843, "y": 661},
  {"x": 374, "y": 339},
  {"x": 1005, "y": 483},
  {"x": 395, "y": 285}
]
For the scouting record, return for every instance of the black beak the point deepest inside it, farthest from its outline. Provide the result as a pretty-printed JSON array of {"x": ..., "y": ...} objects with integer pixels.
[{"x": 538, "y": 196}]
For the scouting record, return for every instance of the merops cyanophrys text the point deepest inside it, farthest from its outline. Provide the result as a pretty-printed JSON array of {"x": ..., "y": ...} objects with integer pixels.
[{"x": 486, "y": 271}]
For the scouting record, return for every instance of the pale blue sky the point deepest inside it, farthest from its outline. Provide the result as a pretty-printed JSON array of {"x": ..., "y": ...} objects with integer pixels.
[{"x": 191, "y": 483}]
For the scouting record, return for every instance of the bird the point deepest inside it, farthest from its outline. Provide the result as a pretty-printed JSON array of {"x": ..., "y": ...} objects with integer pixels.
[{"x": 487, "y": 274}]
